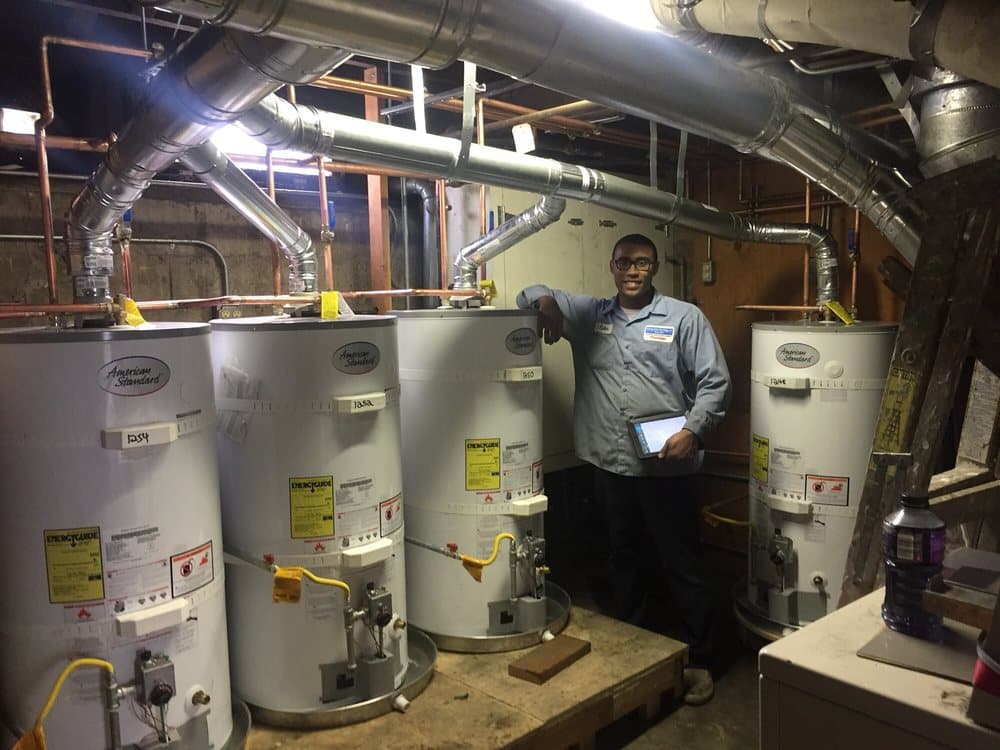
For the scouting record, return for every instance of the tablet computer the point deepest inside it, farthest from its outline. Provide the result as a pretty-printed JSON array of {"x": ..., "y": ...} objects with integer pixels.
[{"x": 650, "y": 433}]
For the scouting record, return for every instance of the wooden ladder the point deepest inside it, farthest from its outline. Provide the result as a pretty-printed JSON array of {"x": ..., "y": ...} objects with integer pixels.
[{"x": 952, "y": 311}]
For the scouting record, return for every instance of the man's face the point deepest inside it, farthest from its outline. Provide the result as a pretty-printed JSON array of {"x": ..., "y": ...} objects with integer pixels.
[{"x": 635, "y": 285}]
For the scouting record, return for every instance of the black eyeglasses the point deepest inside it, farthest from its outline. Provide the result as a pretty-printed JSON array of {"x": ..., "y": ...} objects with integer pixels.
[{"x": 641, "y": 264}]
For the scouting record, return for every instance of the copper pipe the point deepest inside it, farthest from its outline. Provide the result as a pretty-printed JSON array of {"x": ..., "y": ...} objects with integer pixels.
[
  {"x": 805, "y": 253},
  {"x": 496, "y": 109},
  {"x": 785, "y": 208},
  {"x": 45, "y": 119},
  {"x": 542, "y": 114},
  {"x": 325, "y": 232},
  {"x": 61, "y": 142},
  {"x": 442, "y": 201},
  {"x": 854, "y": 261},
  {"x": 881, "y": 120},
  {"x": 291, "y": 94},
  {"x": 481, "y": 133},
  {"x": 780, "y": 308},
  {"x": 126, "y": 265},
  {"x": 868, "y": 111},
  {"x": 412, "y": 293},
  {"x": 275, "y": 250}
]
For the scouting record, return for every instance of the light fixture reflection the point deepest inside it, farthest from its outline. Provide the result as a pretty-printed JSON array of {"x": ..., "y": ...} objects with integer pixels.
[
  {"x": 636, "y": 13},
  {"x": 247, "y": 153}
]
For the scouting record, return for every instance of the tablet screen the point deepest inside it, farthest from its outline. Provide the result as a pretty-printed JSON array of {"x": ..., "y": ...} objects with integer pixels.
[{"x": 653, "y": 434}]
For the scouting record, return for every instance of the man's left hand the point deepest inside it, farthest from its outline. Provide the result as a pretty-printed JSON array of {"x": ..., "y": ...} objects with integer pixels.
[{"x": 679, "y": 446}]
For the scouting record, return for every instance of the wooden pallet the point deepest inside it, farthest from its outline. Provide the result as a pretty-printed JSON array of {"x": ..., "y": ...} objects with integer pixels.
[{"x": 472, "y": 702}]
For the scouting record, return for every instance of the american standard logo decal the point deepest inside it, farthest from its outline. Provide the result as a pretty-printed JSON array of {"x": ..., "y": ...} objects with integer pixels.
[
  {"x": 521, "y": 341},
  {"x": 133, "y": 376},
  {"x": 797, "y": 356},
  {"x": 356, "y": 358}
]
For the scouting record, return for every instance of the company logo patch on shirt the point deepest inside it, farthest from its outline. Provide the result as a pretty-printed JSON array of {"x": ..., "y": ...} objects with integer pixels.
[
  {"x": 658, "y": 333},
  {"x": 600, "y": 327}
]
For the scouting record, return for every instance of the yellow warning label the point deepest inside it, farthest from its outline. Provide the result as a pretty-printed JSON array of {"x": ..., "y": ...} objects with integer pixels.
[
  {"x": 759, "y": 452},
  {"x": 897, "y": 408},
  {"x": 73, "y": 564},
  {"x": 310, "y": 506},
  {"x": 482, "y": 464}
]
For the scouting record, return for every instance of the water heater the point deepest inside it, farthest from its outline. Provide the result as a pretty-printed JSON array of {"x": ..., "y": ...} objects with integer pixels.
[
  {"x": 111, "y": 535},
  {"x": 309, "y": 460},
  {"x": 472, "y": 465},
  {"x": 815, "y": 392}
]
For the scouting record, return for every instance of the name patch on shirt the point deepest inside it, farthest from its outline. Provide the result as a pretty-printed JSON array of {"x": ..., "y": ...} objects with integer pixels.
[
  {"x": 603, "y": 327},
  {"x": 658, "y": 333}
]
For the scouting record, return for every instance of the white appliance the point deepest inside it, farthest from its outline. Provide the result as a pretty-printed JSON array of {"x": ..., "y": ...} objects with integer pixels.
[
  {"x": 309, "y": 460},
  {"x": 472, "y": 466},
  {"x": 815, "y": 393},
  {"x": 111, "y": 532}
]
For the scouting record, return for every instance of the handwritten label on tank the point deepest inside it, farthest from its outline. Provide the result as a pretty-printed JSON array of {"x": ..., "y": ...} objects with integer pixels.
[
  {"x": 759, "y": 451},
  {"x": 192, "y": 569},
  {"x": 391, "y": 515},
  {"x": 521, "y": 341},
  {"x": 74, "y": 565},
  {"x": 482, "y": 464},
  {"x": 310, "y": 506},
  {"x": 797, "y": 356},
  {"x": 356, "y": 358},
  {"x": 133, "y": 376}
]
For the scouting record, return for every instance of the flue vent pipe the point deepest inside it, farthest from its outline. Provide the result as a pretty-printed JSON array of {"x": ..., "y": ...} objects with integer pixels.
[
  {"x": 280, "y": 125},
  {"x": 574, "y": 48},
  {"x": 211, "y": 80},
  {"x": 528, "y": 222},
  {"x": 235, "y": 187}
]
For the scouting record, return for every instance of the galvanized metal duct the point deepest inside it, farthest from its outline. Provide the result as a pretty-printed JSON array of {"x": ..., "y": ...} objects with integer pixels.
[
  {"x": 959, "y": 122},
  {"x": 210, "y": 81},
  {"x": 280, "y": 124},
  {"x": 959, "y": 35},
  {"x": 233, "y": 185},
  {"x": 570, "y": 47},
  {"x": 528, "y": 222}
]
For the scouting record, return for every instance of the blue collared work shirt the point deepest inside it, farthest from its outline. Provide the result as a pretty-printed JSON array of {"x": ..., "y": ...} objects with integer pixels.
[{"x": 665, "y": 359}]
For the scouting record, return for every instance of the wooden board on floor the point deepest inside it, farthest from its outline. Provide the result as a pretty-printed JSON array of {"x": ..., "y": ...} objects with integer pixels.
[
  {"x": 549, "y": 659},
  {"x": 473, "y": 703}
]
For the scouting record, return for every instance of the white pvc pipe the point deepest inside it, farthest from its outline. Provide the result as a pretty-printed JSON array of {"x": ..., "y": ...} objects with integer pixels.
[{"x": 966, "y": 33}]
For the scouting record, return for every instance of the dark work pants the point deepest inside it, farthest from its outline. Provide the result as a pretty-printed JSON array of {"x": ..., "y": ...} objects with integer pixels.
[{"x": 663, "y": 512}]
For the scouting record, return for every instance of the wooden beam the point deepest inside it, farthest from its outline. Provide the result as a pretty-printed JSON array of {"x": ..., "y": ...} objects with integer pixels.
[
  {"x": 378, "y": 212},
  {"x": 971, "y": 504},
  {"x": 981, "y": 429},
  {"x": 967, "y": 606}
]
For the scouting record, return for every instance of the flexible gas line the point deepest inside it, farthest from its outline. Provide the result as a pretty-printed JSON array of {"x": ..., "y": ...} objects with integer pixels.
[
  {"x": 288, "y": 583},
  {"x": 713, "y": 519},
  {"x": 473, "y": 565},
  {"x": 35, "y": 739}
]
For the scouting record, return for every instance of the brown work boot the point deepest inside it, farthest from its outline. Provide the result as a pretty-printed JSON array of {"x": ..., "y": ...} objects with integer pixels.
[{"x": 698, "y": 686}]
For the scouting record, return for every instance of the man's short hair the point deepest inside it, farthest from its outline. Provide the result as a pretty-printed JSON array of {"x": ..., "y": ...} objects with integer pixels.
[{"x": 636, "y": 239}]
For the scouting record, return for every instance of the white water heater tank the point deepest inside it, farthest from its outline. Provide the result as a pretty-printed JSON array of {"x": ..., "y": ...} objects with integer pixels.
[
  {"x": 310, "y": 468},
  {"x": 815, "y": 393},
  {"x": 472, "y": 462},
  {"x": 111, "y": 532}
]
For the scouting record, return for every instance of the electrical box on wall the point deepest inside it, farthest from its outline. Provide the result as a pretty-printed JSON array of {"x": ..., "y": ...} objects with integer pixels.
[{"x": 708, "y": 271}]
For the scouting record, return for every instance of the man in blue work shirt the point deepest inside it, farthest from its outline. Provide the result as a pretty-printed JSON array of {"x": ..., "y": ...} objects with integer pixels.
[{"x": 636, "y": 354}]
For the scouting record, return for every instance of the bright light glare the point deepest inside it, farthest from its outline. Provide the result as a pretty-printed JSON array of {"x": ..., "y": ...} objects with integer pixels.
[
  {"x": 19, "y": 121},
  {"x": 236, "y": 144},
  {"x": 636, "y": 13}
]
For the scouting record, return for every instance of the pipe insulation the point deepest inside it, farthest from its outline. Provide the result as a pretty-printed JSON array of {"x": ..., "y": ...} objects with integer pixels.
[
  {"x": 210, "y": 81},
  {"x": 530, "y": 221},
  {"x": 236, "y": 188},
  {"x": 964, "y": 38},
  {"x": 282, "y": 125},
  {"x": 573, "y": 48}
]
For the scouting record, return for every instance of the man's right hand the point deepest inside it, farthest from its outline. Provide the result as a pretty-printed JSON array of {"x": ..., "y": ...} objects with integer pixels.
[{"x": 550, "y": 320}]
